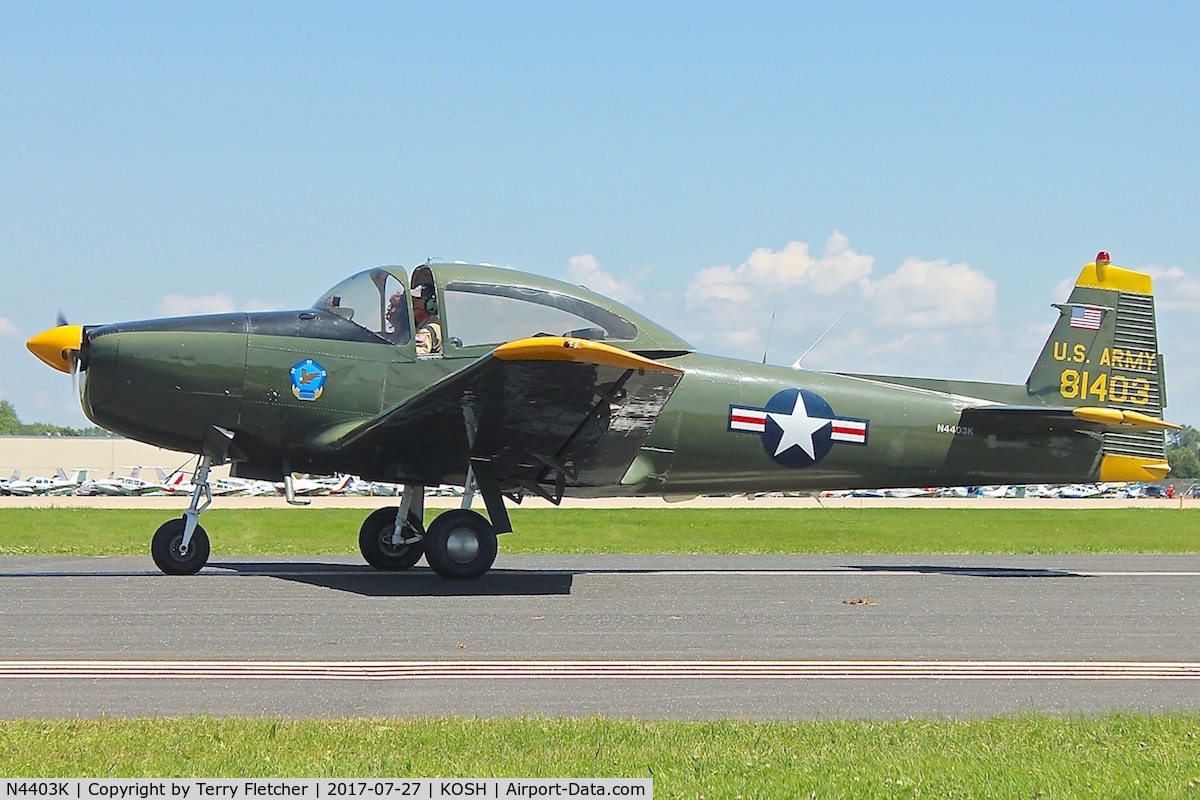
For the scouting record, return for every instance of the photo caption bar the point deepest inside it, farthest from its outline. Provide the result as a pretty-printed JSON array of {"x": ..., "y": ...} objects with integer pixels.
[{"x": 320, "y": 788}]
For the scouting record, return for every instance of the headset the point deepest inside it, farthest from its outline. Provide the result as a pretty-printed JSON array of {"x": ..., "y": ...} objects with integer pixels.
[{"x": 431, "y": 305}]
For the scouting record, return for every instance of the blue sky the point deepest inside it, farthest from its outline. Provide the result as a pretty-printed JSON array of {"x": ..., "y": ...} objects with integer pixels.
[{"x": 938, "y": 171}]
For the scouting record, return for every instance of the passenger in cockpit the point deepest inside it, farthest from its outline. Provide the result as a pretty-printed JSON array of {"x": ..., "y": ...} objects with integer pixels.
[{"x": 429, "y": 326}]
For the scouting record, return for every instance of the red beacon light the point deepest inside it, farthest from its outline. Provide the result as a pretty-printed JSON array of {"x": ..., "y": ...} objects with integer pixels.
[{"x": 1102, "y": 257}]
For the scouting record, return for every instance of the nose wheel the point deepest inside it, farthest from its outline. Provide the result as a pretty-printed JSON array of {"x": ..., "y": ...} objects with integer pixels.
[
  {"x": 460, "y": 544},
  {"x": 180, "y": 546},
  {"x": 169, "y": 553}
]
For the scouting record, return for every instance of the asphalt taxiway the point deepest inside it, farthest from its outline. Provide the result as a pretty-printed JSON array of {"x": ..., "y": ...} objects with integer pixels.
[{"x": 646, "y": 636}]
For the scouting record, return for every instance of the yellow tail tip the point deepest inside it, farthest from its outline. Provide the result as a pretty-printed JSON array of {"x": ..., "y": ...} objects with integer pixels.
[
  {"x": 1102, "y": 275},
  {"x": 54, "y": 346},
  {"x": 1115, "y": 468}
]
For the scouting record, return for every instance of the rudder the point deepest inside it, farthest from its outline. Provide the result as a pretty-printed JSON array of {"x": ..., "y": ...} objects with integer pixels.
[{"x": 1103, "y": 352}]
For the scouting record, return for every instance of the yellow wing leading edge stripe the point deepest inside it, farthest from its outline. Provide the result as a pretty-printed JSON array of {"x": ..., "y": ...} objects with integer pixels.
[{"x": 579, "y": 351}]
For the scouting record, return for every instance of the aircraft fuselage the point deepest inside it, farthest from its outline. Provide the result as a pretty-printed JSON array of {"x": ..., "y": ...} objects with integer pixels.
[{"x": 730, "y": 426}]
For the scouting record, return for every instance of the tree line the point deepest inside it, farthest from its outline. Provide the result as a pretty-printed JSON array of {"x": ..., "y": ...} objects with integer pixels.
[
  {"x": 1183, "y": 452},
  {"x": 11, "y": 425}
]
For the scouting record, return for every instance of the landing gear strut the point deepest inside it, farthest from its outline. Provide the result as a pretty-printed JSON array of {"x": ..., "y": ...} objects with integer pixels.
[
  {"x": 180, "y": 546},
  {"x": 391, "y": 537}
]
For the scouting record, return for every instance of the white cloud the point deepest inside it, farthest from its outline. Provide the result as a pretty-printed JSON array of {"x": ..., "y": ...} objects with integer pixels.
[
  {"x": 767, "y": 271},
  {"x": 928, "y": 317},
  {"x": 1174, "y": 289},
  {"x": 8, "y": 329},
  {"x": 586, "y": 270},
  {"x": 932, "y": 294}
]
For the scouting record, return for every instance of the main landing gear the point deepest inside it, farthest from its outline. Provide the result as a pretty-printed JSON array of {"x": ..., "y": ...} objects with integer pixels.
[
  {"x": 460, "y": 543},
  {"x": 180, "y": 546}
]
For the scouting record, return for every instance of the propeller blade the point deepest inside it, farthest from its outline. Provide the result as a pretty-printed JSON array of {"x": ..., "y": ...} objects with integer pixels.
[{"x": 60, "y": 319}]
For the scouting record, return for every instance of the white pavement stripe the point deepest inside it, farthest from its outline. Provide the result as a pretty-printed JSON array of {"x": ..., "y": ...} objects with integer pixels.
[
  {"x": 603, "y": 670},
  {"x": 951, "y": 571},
  {"x": 900, "y": 570}
]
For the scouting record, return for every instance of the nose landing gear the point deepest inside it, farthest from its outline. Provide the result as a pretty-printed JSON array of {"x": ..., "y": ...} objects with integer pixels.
[{"x": 180, "y": 546}]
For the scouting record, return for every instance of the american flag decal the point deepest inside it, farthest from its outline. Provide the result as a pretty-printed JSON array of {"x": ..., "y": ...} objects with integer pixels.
[{"x": 1087, "y": 317}]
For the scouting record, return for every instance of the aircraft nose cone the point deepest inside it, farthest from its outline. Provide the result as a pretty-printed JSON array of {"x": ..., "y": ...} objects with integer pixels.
[{"x": 55, "y": 345}]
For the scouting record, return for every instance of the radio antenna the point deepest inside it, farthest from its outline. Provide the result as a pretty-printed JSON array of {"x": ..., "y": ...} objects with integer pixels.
[
  {"x": 817, "y": 342},
  {"x": 770, "y": 325}
]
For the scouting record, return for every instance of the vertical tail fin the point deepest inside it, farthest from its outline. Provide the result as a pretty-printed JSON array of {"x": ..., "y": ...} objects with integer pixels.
[{"x": 1103, "y": 352}]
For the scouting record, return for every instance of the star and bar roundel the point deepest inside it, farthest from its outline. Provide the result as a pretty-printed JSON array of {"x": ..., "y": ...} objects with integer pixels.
[{"x": 797, "y": 427}]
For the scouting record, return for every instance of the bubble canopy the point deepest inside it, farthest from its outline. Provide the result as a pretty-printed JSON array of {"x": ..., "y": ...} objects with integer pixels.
[{"x": 373, "y": 299}]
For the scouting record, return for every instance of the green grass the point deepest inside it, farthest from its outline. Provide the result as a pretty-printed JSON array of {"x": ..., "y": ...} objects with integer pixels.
[
  {"x": 1031, "y": 755},
  {"x": 317, "y": 531}
]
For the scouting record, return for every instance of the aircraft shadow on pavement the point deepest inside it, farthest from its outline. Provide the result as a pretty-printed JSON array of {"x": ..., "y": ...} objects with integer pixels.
[
  {"x": 415, "y": 582},
  {"x": 974, "y": 572}
]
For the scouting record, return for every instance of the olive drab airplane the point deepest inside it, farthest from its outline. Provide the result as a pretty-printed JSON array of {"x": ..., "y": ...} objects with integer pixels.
[{"x": 514, "y": 385}]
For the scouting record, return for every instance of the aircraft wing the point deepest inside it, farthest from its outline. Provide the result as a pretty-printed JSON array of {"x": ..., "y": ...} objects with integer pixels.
[{"x": 545, "y": 412}]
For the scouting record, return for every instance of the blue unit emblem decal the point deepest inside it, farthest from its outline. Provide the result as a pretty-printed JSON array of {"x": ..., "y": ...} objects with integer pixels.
[
  {"x": 797, "y": 427},
  {"x": 308, "y": 380}
]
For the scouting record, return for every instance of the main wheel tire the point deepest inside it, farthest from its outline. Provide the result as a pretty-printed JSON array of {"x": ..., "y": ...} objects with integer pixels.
[
  {"x": 375, "y": 540},
  {"x": 164, "y": 548},
  {"x": 460, "y": 544}
]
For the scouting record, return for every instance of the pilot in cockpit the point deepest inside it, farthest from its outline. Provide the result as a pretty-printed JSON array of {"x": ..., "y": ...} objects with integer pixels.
[{"x": 397, "y": 319}]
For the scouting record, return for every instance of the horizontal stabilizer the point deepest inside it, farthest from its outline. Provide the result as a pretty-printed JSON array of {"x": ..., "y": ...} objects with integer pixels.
[
  {"x": 1100, "y": 422},
  {"x": 1122, "y": 416},
  {"x": 1076, "y": 418}
]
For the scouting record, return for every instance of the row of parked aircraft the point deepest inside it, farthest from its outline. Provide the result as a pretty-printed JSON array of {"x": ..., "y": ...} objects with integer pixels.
[
  {"x": 79, "y": 483},
  {"x": 1074, "y": 491}
]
